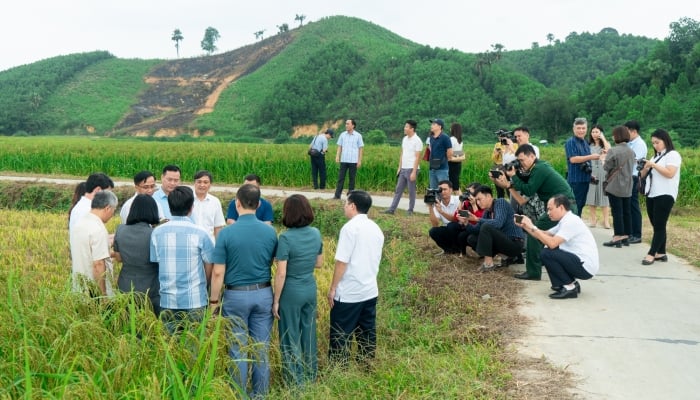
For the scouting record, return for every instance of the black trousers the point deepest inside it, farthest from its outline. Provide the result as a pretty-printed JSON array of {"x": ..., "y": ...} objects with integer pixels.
[
  {"x": 659, "y": 210},
  {"x": 344, "y": 168},
  {"x": 563, "y": 267},
  {"x": 635, "y": 211},
  {"x": 445, "y": 237},
  {"x": 492, "y": 241},
  {"x": 318, "y": 170},
  {"x": 353, "y": 319}
]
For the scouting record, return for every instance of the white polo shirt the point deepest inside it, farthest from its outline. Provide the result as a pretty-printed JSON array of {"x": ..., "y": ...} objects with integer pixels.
[
  {"x": 578, "y": 240},
  {"x": 450, "y": 208},
  {"x": 409, "y": 147},
  {"x": 360, "y": 246},
  {"x": 208, "y": 214},
  {"x": 89, "y": 242}
]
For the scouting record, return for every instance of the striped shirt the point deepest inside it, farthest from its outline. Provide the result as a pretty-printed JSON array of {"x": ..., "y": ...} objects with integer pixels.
[
  {"x": 181, "y": 248},
  {"x": 350, "y": 144}
]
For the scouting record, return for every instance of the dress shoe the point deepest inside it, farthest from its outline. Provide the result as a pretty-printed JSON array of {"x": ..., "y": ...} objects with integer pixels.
[
  {"x": 635, "y": 240},
  {"x": 527, "y": 277},
  {"x": 409, "y": 213},
  {"x": 626, "y": 242},
  {"x": 647, "y": 262},
  {"x": 614, "y": 243},
  {"x": 564, "y": 294},
  {"x": 558, "y": 288},
  {"x": 388, "y": 211},
  {"x": 663, "y": 258}
]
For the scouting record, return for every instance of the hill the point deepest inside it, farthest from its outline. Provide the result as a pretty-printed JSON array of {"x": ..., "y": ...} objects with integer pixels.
[{"x": 316, "y": 75}]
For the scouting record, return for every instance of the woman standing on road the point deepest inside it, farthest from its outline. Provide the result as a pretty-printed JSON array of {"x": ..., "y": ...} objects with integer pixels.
[
  {"x": 299, "y": 251},
  {"x": 618, "y": 166},
  {"x": 132, "y": 248},
  {"x": 663, "y": 174},
  {"x": 596, "y": 195},
  {"x": 454, "y": 164}
]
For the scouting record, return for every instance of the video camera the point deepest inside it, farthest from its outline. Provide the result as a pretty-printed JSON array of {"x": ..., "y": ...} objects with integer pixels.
[
  {"x": 503, "y": 135},
  {"x": 513, "y": 164},
  {"x": 586, "y": 167},
  {"x": 431, "y": 195},
  {"x": 466, "y": 195},
  {"x": 641, "y": 163}
]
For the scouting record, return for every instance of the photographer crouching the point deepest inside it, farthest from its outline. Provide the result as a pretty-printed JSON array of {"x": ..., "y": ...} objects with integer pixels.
[{"x": 442, "y": 206}]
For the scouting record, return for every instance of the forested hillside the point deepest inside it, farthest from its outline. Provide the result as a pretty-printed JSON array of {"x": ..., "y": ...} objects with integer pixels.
[{"x": 341, "y": 67}]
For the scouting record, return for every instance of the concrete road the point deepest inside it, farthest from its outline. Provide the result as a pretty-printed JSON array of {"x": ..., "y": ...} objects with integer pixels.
[{"x": 633, "y": 333}]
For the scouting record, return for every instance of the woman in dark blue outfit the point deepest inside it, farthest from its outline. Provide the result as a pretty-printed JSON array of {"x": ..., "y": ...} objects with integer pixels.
[{"x": 299, "y": 251}]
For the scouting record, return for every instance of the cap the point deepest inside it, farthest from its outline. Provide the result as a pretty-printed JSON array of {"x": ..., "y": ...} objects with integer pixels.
[
  {"x": 329, "y": 131},
  {"x": 438, "y": 121}
]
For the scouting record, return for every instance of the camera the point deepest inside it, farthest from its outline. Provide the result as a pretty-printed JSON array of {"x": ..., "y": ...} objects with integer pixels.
[
  {"x": 503, "y": 135},
  {"x": 586, "y": 167},
  {"x": 464, "y": 213},
  {"x": 431, "y": 195},
  {"x": 465, "y": 196},
  {"x": 518, "y": 218},
  {"x": 641, "y": 163},
  {"x": 513, "y": 164}
]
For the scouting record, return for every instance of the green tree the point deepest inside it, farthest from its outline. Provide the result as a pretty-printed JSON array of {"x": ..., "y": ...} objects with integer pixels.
[
  {"x": 259, "y": 34},
  {"x": 300, "y": 18},
  {"x": 211, "y": 35},
  {"x": 283, "y": 28},
  {"x": 177, "y": 38}
]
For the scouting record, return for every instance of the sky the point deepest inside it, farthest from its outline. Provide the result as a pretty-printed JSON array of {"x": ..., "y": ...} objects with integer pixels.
[{"x": 33, "y": 30}]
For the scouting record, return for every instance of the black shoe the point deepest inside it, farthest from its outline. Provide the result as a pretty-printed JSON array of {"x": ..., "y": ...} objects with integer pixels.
[
  {"x": 663, "y": 258},
  {"x": 388, "y": 211},
  {"x": 647, "y": 262},
  {"x": 527, "y": 277},
  {"x": 513, "y": 260},
  {"x": 626, "y": 242},
  {"x": 564, "y": 294},
  {"x": 614, "y": 243},
  {"x": 558, "y": 288},
  {"x": 635, "y": 240}
]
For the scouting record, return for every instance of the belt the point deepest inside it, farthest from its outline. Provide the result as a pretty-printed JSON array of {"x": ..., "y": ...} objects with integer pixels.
[{"x": 254, "y": 286}]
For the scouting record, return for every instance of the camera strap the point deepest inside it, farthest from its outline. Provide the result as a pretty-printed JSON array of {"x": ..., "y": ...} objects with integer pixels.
[{"x": 647, "y": 187}]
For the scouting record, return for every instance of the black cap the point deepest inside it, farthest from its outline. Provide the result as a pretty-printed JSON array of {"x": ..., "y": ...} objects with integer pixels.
[
  {"x": 438, "y": 121},
  {"x": 329, "y": 132}
]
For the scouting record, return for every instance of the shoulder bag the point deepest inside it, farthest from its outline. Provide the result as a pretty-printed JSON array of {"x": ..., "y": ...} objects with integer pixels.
[{"x": 313, "y": 152}]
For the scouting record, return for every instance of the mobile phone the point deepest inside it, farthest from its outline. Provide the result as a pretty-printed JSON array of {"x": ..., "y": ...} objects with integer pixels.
[
  {"x": 518, "y": 218},
  {"x": 464, "y": 213},
  {"x": 495, "y": 173}
]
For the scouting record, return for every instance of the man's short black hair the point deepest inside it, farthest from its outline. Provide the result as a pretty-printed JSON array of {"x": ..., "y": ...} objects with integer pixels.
[
  {"x": 561, "y": 200},
  {"x": 98, "y": 179},
  {"x": 142, "y": 176},
  {"x": 249, "y": 196},
  {"x": 361, "y": 199},
  {"x": 633, "y": 125},
  {"x": 171, "y": 168},
  {"x": 484, "y": 189},
  {"x": 253, "y": 178},
  {"x": 413, "y": 123},
  {"x": 203, "y": 173},
  {"x": 445, "y": 182},
  {"x": 180, "y": 201},
  {"x": 525, "y": 149},
  {"x": 521, "y": 128}
]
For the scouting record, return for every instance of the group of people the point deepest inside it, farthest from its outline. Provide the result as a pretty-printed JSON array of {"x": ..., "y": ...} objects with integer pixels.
[{"x": 182, "y": 258}]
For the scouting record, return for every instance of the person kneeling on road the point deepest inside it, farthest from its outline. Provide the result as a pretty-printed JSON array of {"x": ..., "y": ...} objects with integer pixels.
[
  {"x": 570, "y": 251},
  {"x": 498, "y": 233}
]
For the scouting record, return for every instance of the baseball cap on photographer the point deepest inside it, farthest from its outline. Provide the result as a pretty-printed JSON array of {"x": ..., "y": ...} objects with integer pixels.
[
  {"x": 438, "y": 121},
  {"x": 329, "y": 132}
]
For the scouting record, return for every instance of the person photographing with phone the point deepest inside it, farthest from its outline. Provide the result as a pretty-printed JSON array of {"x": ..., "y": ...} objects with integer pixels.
[
  {"x": 496, "y": 232},
  {"x": 571, "y": 251}
]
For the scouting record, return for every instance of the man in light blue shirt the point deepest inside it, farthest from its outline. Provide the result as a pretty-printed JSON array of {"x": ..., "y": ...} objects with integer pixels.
[
  {"x": 318, "y": 159},
  {"x": 169, "y": 180},
  {"x": 349, "y": 155},
  {"x": 637, "y": 145},
  {"x": 184, "y": 253}
]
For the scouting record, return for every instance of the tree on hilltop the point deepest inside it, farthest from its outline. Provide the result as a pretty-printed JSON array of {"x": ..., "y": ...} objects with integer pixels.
[
  {"x": 259, "y": 34},
  {"x": 300, "y": 18},
  {"x": 283, "y": 28},
  {"x": 177, "y": 38},
  {"x": 211, "y": 35}
]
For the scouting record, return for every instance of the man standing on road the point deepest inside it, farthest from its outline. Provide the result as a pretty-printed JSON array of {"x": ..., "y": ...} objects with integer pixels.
[
  {"x": 89, "y": 247},
  {"x": 354, "y": 291},
  {"x": 542, "y": 180},
  {"x": 349, "y": 155},
  {"x": 144, "y": 183},
  {"x": 407, "y": 172},
  {"x": 440, "y": 152},
  {"x": 578, "y": 157},
  {"x": 264, "y": 212},
  {"x": 317, "y": 153},
  {"x": 95, "y": 183},
  {"x": 637, "y": 145},
  {"x": 169, "y": 180},
  {"x": 206, "y": 211},
  {"x": 242, "y": 260}
]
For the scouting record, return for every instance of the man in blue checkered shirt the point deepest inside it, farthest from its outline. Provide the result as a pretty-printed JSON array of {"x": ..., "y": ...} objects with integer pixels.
[
  {"x": 578, "y": 162},
  {"x": 183, "y": 252}
]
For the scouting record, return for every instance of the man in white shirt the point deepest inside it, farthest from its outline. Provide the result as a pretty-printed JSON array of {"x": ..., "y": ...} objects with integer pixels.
[
  {"x": 353, "y": 292},
  {"x": 639, "y": 147},
  {"x": 441, "y": 213},
  {"x": 144, "y": 183},
  {"x": 169, "y": 180},
  {"x": 89, "y": 247},
  {"x": 207, "y": 211},
  {"x": 95, "y": 183},
  {"x": 407, "y": 172}
]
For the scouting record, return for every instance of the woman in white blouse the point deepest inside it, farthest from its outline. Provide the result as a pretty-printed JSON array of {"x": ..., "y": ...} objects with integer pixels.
[{"x": 662, "y": 174}]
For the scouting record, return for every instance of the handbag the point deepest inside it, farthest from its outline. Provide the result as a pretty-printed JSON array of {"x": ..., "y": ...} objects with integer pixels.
[
  {"x": 609, "y": 178},
  {"x": 426, "y": 155},
  {"x": 435, "y": 163},
  {"x": 534, "y": 208},
  {"x": 313, "y": 152}
]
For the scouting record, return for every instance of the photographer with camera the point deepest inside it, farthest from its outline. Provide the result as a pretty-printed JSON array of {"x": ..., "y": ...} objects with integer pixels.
[
  {"x": 442, "y": 206},
  {"x": 578, "y": 162},
  {"x": 461, "y": 228},
  {"x": 496, "y": 232},
  {"x": 543, "y": 181},
  {"x": 503, "y": 153}
]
